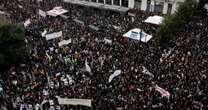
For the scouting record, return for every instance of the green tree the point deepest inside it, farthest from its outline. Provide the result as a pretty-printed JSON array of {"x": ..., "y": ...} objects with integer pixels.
[
  {"x": 175, "y": 22},
  {"x": 12, "y": 44}
]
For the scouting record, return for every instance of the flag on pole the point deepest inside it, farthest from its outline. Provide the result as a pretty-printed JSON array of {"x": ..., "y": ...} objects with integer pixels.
[
  {"x": 27, "y": 23},
  {"x": 88, "y": 69},
  {"x": 162, "y": 91},
  {"x": 49, "y": 57},
  {"x": 116, "y": 73},
  {"x": 42, "y": 13},
  {"x": 145, "y": 71},
  {"x": 44, "y": 33}
]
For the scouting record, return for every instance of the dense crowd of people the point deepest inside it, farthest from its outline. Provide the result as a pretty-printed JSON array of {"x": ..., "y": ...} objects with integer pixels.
[{"x": 54, "y": 71}]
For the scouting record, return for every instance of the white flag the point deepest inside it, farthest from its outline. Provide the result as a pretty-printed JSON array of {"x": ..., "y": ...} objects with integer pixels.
[
  {"x": 20, "y": 6},
  {"x": 27, "y": 23},
  {"x": 116, "y": 73},
  {"x": 44, "y": 33},
  {"x": 162, "y": 91},
  {"x": 145, "y": 71},
  {"x": 107, "y": 41},
  {"x": 88, "y": 69},
  {"x": 42, "y": 13},
  {"x": 117, "y": 27}
]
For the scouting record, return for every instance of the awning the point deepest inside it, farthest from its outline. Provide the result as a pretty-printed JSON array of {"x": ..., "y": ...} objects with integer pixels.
[
  {"x": 154, "y": 20},
  {"x": 56, "y": 11},
  {"x": 138, "y": 34}
]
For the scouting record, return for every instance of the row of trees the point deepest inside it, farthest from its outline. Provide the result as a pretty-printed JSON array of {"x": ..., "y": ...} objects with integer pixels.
[{"x": 12, "y": 44}]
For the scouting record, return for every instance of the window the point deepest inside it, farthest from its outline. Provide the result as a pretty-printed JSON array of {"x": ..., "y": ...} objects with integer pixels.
[
  {"x": 125, "y": 3},
  {"x": 169, "y": 8},
  {"x": 138, "y": 4},
  {"x": 101, "y": 1},
  {"x": 108, "y": 2},
  {"x": 116, "y": 2},
  {"x": 159, "y": 7}
]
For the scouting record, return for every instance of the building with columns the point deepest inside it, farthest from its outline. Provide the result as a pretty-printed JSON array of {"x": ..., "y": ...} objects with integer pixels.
[{"x": 161, "y": 6}]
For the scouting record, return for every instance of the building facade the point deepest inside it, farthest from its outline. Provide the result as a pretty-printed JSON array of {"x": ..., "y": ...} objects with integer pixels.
[{"x": 161, "y": 6}]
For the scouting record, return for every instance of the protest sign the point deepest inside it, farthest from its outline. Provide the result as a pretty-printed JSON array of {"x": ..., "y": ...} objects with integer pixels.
[
  {"x": 64, "y": 42},
  {"x": 53, "y": 35},
  {"x": 84, "y": 102}
]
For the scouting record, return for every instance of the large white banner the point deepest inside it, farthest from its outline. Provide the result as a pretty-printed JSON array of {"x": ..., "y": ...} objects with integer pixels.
[
  {"x": 115, "y": 74},
  {"x": 64, "y": 42},
  {"x": 42, "y": 13},
  {"x": 84, "y": 102},
  {"x": 53, "y": 35}
]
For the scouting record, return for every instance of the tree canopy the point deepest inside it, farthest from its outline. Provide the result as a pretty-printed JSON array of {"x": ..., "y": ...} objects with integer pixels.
[
  {"x": 175, "y": 22},
  {"x": 12, "y": 44}
]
